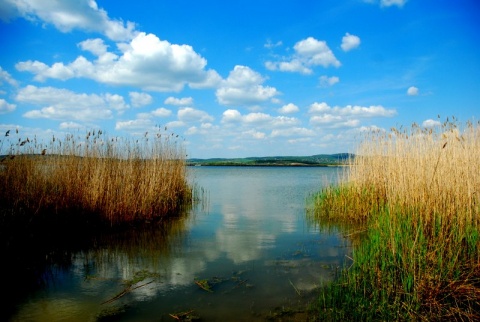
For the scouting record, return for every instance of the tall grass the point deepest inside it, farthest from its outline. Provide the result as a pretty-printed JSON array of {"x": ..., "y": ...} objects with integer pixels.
[
  {"x": 116, "y": 180},
  {"x": 416, "y": 193}
]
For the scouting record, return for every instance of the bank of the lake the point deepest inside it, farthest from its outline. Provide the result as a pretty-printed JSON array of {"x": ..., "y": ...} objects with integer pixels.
[{"x": 412, "y": 199}]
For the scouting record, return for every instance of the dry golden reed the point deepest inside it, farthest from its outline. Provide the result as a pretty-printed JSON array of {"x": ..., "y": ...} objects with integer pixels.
[
  {"x": 118, "y": 179},
  {"x": 415, "y": 193},
  {"x": 432, "y": 170}
]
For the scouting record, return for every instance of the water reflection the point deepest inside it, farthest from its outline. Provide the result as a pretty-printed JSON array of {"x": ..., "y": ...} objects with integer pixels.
[{"x": 250, "y": 243}]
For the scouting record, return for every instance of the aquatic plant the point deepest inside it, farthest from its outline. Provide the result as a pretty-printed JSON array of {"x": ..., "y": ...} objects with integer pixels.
[
  {"x": 415, "y": 193},
  {"x": 114, "y": 179}
]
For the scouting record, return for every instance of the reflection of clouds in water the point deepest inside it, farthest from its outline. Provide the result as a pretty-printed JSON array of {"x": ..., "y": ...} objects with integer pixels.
[
  {"x": 289, "y": 224},
  {"x": 238, "y": 246},
  {"x": 181, "y": 270},
  {"x": 230, "y": 220}
]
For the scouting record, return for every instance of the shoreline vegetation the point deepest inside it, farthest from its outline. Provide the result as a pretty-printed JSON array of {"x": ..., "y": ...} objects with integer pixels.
[
  {"x": 319, "y": 160},
  {"x": 412, "y": 197},
  {"x": 92, "y": 178}
]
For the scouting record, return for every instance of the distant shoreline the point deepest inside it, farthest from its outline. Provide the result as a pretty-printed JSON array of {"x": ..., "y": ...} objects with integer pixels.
[
  {"x": 264, "y": 165},
  {"x": 319, "y": 160}
]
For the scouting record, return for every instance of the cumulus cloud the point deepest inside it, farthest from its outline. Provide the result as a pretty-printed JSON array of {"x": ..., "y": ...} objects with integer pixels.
[
  {"x": 184, "y": 101},
  {"x": 189, "y": 114},
  {"x": 326, "y": 81},
  {"x": 140, "y": 99},
  {"x": 294, "y": 131},
  {"x": 69, "y": 15},
  {"x": 288, "y": 109},
  {"x": 136, "y": 126},
  {"x": 254, "y": 134},
  {"x": 309, "y": 53},
  {"x": 71, "y": 125},
  {"x": 350, "y": 42},
  {"x": 63, "y": 104},
  {"x": 161, "y": 112},
  {"x": 244, "y": 87},
  {"x": 431, "y": 123},
  {"x": 146, "y": 62},
  {"x": 6, "y": 107},
  {"x": 412, "y": 91},
  {"x": 230, "y": 116},
  {"x": 6, "y": 77},
  {"x": 324, "y": 115},
  {"x": 259, "y": 120}
]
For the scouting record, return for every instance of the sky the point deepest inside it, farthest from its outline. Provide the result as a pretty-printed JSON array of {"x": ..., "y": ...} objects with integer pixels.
[{"x": 238, "y": 78}]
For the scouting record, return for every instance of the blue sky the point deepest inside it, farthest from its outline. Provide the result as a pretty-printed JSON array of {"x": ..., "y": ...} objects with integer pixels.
[{"x": 238, "y": 78}]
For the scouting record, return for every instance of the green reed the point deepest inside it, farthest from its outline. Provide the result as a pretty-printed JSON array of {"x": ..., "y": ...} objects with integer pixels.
[{"x": 415, "y": 194}]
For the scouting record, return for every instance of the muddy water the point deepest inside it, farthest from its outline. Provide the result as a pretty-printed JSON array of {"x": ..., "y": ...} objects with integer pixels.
[{"x": 236, "y": 256}]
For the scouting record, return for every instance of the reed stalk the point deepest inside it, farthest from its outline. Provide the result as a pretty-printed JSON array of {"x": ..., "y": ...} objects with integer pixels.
[
  {"x": 416, "y": 192},
  {"x": 116, "y": 180}
]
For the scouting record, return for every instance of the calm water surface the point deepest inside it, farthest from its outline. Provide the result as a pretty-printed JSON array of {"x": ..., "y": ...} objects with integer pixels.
[{"x": 249, "y": 240}]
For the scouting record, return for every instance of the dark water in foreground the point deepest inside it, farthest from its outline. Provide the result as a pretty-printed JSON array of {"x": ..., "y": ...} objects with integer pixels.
[{"x": 249, "y": 241}]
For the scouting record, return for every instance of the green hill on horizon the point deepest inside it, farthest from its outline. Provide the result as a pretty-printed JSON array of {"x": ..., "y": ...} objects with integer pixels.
[{"x": 313, "y": 160}]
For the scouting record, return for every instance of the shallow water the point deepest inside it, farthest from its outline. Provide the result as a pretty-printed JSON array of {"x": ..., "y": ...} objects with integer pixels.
[{"x": 249, "y": 240}]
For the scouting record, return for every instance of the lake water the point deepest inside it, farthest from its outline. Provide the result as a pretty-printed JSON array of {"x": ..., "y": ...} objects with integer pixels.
[{"x": 249, "y": 240}]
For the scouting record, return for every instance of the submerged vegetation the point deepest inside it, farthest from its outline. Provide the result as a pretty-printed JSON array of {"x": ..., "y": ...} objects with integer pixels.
[
  {"x": 112, "y": 180},
  {"x": 414, "y": 197}
]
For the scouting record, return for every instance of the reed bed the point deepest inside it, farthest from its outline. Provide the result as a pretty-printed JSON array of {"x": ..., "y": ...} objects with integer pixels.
[
  {"x": 415, "y": 193},
  {"x": 115, "y": 180}
]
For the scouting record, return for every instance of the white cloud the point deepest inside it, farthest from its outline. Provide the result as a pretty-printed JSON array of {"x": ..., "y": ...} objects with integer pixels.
[
  {"x": 309, "y": 52},
  {"x": 184, "y": 101},
  {"x": 140, "y": 99},
  {"x": 138, "y": 125},
  {"x": 412, "y": 91},
  {"x": 6, "y": 107},
  {"x": 115, "y": 102},
  {"x": 70, "y": 125},
  {"x": 319, "y": 107},
  {"x": 294, "y": 66},
  {"x": 204, "y": 129},
  {"x": 294, "y": 131},
  {"x": 69, "y": 15},
  {"x": 188, "y": 115},
  {"x": 63, "y": 104},
  {"x": 269, "y": 44},
  {"x": 6, "y": 77},
  {"x": 431, "y": 123},
  {"x": 161, "y": 112},
  {"x": 326, "y": 81},
  {"x": 349, "y": 110},
  {"x": 350, "y": 42},
  {"x": 388, "y": 3},
  {"x": 146, "y": 62},
  {"x": 43, "y": 71},
  {"x": 348, "y": 116},
  {"x": 95, "y": 46},
  {"x": 284, "y": 121},
  {"x": 333, "y": 121},
  {"x": 244, "y": 87},
  {"x": 230, "y": 116},
  {"x": 256, "y": 118},
  {"x": 254, "y": 134},
  {"x": 288, "y": 109},
  {"x": 259, "y": 120}
]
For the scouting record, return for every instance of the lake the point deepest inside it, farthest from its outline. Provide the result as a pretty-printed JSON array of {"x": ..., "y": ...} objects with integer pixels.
[{"x": 242, "y": 252}]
